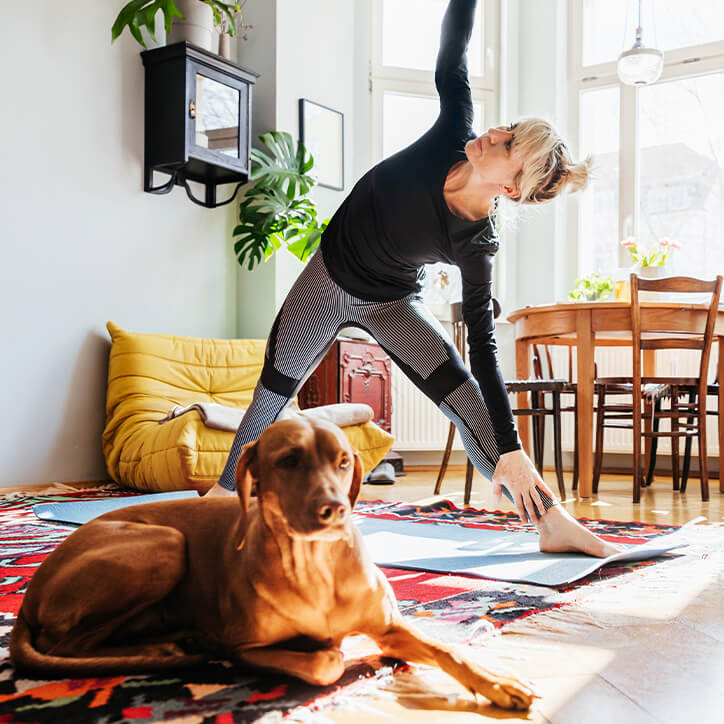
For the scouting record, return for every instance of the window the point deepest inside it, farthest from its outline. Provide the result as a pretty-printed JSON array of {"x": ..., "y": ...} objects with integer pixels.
[
  {"x": 609, "y": 26},
  {"x": 681, "y": 139},
  {"x": 659, "y": 149},
  {"x": 405, "y": 42},
  {"x": 599, "y": 113}
]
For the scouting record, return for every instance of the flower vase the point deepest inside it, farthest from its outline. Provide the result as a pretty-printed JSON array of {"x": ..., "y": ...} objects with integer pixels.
[
  {"x": 225, "y": 45},
  {"x": 652, "y": 272}
]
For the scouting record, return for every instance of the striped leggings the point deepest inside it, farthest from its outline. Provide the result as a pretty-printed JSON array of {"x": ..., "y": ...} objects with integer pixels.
[{"x": 315, "y": 310}]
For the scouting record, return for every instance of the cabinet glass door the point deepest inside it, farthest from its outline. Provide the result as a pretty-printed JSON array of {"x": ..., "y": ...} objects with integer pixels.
[{"x": 217, "y": 116}]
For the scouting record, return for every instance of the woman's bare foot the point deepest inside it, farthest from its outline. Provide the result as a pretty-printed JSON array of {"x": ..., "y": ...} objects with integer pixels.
[
  {"x": 218, "y": 490},
  {"x": 561, "y": 532}
]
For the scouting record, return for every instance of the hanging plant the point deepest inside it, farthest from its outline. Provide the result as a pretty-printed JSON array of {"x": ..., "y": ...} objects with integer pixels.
[{"x": 276, "y": 211}]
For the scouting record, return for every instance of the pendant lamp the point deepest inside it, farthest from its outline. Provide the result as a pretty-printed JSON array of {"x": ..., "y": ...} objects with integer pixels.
[{"x": 640, "y": 65}]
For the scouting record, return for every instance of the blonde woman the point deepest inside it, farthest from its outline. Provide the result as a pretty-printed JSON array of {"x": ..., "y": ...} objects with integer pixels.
[{"x": 432, "y": 202}]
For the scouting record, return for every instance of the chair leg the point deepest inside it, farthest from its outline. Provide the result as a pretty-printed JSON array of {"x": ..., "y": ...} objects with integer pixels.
[
  {"x": 654, "y": 445},
  {"x": 598, "y": 458},
  {"x": 703, "y": 469},
  {"x": 538, "y": 424},
  {"x": 647, "y": 420},
  {"x": 687, "y": 448},
  {"x": 575, "y": 445},
  {"x": 468, "y": 482},
  {"x": 557, "y": 445},
  {"x": 445, "y": 458},
  {"x": 636, "y": 446},
  {"x": 675, "y": 440}
]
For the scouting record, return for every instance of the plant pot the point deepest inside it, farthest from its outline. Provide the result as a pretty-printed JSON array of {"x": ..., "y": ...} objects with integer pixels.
[
  {"x": 197, "y": 26},
  {"x": 652, "y": 272}
]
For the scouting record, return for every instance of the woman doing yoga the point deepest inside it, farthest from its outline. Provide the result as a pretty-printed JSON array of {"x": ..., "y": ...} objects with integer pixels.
[{"x": 431, "y": 202}]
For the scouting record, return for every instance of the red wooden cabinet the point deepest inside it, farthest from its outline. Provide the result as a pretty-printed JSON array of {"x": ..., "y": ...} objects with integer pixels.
[{"x": 352, "y": 371}]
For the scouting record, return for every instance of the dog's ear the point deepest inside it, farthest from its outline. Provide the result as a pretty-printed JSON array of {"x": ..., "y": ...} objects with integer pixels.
[
  {"x": 245, "y": 474},
  {"x": 356, "y": 485}
]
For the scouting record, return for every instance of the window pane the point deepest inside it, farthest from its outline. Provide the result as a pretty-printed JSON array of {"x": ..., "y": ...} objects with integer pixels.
[
  {"x": 599, "y": 203},
  {"x": 609, "y": 26},
  {"x": 411, "y": 34},
  {"x": 682, "y": 170},
  {"x": 405, "y": 117},
  {"x": 608, "y": 29}
]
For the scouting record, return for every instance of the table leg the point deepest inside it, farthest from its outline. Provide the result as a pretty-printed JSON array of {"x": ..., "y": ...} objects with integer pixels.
[
  {"x": 522, "y": 372},
  {"x": 720, "y": 372},
  {"x": 585, "y": 343}
]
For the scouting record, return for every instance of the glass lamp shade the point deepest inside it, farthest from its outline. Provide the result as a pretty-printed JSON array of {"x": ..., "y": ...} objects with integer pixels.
[{"x": 640, "y": 66}]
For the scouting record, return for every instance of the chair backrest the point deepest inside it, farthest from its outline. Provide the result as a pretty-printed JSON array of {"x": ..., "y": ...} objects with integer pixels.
[
  {"x": 651, "y": 328},
  {"x": 542, "y": 360}
]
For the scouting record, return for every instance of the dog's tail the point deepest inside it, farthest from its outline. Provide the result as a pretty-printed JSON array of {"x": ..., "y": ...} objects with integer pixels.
[{"x": 26, "y": 657}]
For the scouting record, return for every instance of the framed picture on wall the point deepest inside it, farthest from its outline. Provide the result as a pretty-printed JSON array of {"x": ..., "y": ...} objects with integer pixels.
[{"x": 321, "y": 130}]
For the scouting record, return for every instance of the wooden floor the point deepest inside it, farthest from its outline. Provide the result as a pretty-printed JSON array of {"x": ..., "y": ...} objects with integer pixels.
[{"x": 664, "y": 663}]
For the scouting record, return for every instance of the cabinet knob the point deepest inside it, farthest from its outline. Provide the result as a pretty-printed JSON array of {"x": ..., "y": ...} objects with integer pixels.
[{"x": 192, "y": 109}]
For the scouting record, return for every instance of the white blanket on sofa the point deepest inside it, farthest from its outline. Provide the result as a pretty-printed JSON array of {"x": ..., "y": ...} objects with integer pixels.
[{"x": 221, "y": 417}]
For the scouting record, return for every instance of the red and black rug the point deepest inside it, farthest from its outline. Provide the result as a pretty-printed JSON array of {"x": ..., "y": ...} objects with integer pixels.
[{"x": 453, "y": 607}]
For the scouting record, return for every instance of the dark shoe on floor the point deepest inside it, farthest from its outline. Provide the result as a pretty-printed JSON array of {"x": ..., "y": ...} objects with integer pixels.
[{"x": 383, "y": 474}]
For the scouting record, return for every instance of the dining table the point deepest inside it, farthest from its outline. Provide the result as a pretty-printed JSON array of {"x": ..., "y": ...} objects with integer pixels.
[{"x": 587, "y": 325}]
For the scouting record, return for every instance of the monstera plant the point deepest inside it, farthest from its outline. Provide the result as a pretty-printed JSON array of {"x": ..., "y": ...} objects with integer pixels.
[{"x": 276, "y": 211}]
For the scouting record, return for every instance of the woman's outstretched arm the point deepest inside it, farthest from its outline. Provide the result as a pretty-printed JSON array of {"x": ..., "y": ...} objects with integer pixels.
[{"x": 451, "y": 71}]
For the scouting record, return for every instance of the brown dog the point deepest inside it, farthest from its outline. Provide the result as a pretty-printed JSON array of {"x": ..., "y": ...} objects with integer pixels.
[{"x": 276, "y": 585}]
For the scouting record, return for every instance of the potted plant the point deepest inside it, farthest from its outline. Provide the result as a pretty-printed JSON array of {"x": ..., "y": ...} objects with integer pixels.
[
  {"x": 199, "y": 17},
  {"x": 276, "y": 211},
  {"x": 651, "y": 259},
  {"x": 592, "y": 288}
]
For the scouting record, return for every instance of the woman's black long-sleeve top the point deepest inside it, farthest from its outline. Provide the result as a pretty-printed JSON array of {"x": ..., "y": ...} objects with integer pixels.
[{"x": 395, "y": 220}]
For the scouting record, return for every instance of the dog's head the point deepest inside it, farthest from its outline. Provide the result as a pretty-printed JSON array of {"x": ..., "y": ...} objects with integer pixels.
[{"x": 306, "y": 474}]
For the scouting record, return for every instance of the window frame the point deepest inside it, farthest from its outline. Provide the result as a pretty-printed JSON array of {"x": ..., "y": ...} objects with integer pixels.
[
  {"x": 384, "y": 78},
  {"x": 413, "y": 88},
  {"x": 681, "y": 63},
  {"x": 484, "y": 88}
]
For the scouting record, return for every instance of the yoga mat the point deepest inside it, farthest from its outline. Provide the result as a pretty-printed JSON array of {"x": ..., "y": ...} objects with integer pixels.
[
  {"x": 82, "y": 511},
  {"x": 501, "y": 555}
]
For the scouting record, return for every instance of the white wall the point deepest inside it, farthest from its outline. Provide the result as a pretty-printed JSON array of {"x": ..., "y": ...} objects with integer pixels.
[
  {"x": 81, "y": 243},
  {"x": 308, "y": 48}
]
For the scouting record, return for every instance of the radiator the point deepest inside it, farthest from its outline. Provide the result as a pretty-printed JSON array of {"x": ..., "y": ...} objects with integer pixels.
[{"x": 417, "y": 424}]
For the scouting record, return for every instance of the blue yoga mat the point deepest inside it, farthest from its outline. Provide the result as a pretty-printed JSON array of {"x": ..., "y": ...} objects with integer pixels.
[
  {"x": 501, "y": 555},
  {"x": 81, "y": 511},
  {"x": 438, "y": 547}
]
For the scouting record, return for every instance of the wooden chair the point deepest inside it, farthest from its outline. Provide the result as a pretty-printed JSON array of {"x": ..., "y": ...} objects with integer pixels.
[
  {"x": 712, "y": 390},
  {"x": 543, "y": 384},
  {"x": 649, "y": 330}
]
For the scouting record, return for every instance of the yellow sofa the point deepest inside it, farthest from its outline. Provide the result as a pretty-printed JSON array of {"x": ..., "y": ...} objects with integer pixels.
[{"x": 150, "y": 373}]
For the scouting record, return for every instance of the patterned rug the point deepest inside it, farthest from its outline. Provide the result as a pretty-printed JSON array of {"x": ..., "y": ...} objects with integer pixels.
[{"x": 454, "y": 608}]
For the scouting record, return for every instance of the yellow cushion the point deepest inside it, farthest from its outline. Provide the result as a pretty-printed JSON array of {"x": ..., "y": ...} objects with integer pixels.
[{"x": 150, "y": 373}]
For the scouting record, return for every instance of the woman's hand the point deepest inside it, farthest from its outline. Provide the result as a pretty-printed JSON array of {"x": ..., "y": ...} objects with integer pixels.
[{"x": 516, "y": 472}]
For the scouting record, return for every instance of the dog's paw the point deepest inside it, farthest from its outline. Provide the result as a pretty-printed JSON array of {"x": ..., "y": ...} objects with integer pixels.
[
  {"x": 504, "y": 691},
  {"x": 326, "y": 666},
  {"x": 510, "y": 694},
  {"x": 164, "y": 650}
]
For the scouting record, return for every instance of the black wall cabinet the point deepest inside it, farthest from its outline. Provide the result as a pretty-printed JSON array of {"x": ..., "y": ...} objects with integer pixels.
[{"x": 197, "y": 120}]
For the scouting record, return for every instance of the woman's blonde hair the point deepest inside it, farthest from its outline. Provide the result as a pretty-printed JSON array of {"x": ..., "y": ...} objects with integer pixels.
[{"x": 547, "y": 164}]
